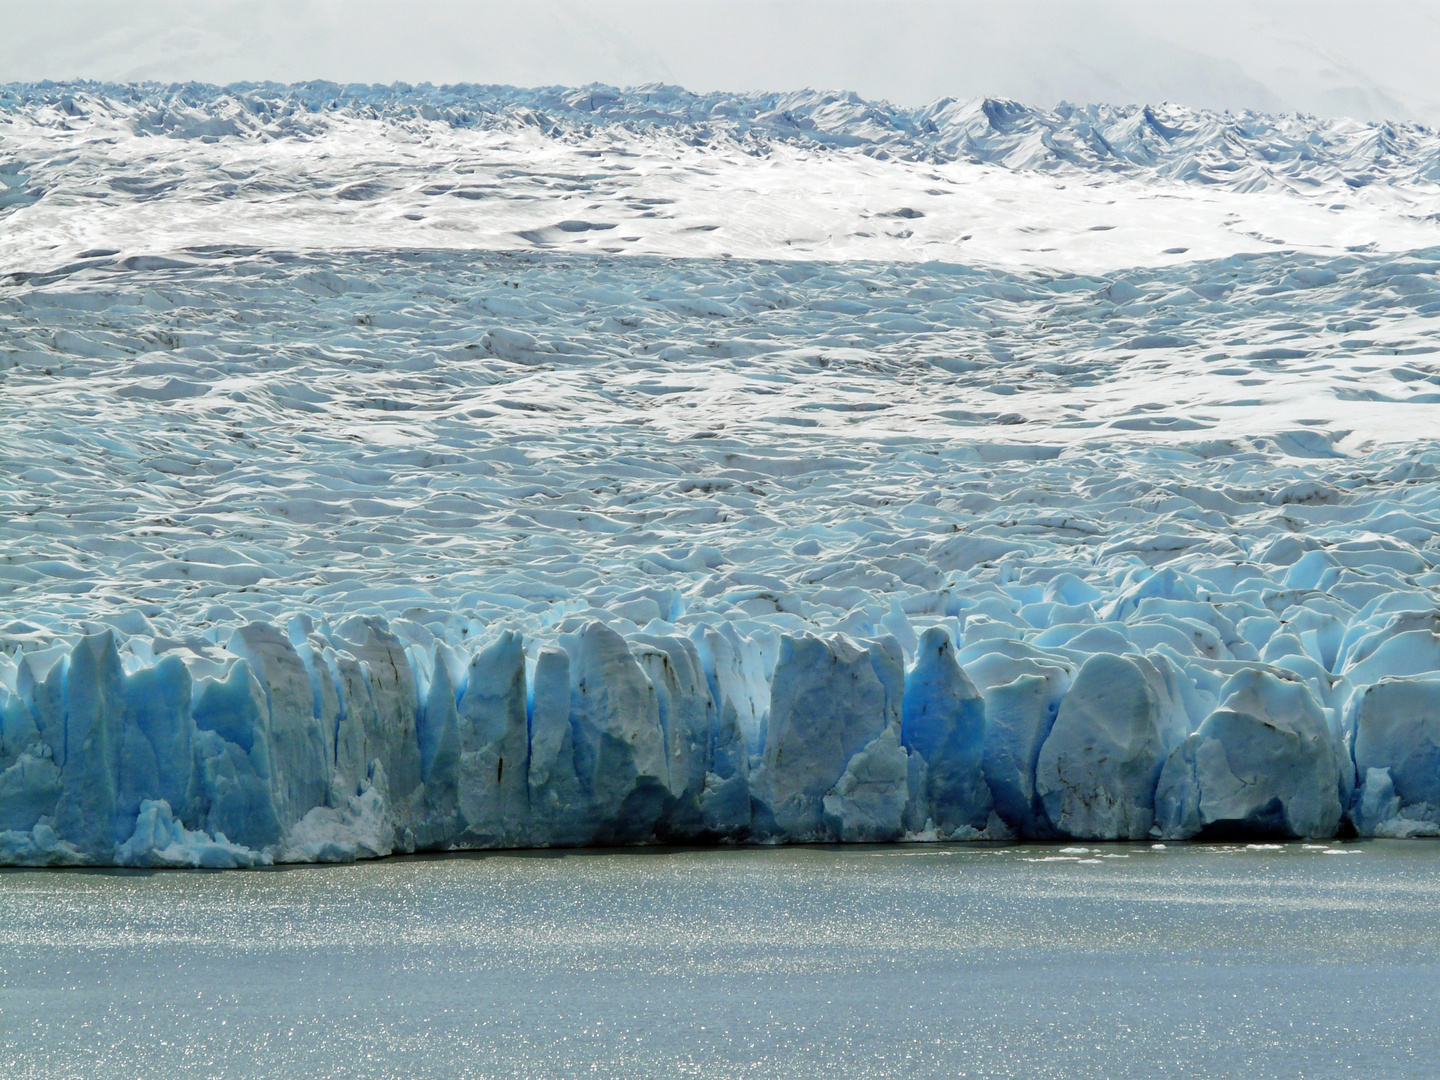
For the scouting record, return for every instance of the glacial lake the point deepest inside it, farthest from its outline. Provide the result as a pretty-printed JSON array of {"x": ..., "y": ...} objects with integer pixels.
[{"x": 1128, "y": 961}]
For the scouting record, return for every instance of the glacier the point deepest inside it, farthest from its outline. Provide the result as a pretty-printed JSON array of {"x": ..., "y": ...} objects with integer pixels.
[{"x": 394, "y": 469}]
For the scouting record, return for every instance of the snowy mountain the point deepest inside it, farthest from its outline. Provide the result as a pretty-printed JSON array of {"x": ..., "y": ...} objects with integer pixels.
[{"x": 1236, "y": 150}]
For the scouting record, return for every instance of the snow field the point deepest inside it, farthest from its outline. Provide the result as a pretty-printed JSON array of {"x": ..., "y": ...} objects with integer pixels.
[{"x": 658, "y": 171}]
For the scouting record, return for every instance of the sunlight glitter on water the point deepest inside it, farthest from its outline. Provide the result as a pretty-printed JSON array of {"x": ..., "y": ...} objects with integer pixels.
[{"x": 864, "y": 962}]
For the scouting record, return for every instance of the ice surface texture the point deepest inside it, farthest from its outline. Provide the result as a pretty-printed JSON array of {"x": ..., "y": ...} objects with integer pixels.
[
  {"x": 321, "y": 554},
  {"x": 1232, "y": 149},
  {"x": 151, "y": 169},
  {"x": 320, "y": 557}
]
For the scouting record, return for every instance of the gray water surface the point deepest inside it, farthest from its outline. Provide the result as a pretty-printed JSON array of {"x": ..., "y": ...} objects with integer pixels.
[{"x": 1194, "y": 961}]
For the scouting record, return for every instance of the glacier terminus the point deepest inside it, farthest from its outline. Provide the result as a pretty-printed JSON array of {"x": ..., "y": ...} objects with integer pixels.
[{"x": 394, "y": 469}]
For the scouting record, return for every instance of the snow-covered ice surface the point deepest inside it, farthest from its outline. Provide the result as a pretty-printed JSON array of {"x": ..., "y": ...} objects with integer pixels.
[
  {"x": 396, "y": 468},
  {"x": 660, "y": 171}
]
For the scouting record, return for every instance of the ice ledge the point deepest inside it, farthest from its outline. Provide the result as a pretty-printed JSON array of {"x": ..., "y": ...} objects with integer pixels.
[{"x": 322, "y": 744}]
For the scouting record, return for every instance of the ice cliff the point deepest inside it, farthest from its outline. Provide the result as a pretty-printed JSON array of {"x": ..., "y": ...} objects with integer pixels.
[
  {"x": 406, "y": 468},
  {"x": 326, "y": 743}
]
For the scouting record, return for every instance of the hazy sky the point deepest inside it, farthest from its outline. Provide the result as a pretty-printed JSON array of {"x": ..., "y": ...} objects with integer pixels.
[{"x": 1373, "y": 59}]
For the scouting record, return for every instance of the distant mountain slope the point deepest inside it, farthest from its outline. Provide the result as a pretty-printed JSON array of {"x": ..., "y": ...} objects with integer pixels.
[{"x": 1243, "y": 151}]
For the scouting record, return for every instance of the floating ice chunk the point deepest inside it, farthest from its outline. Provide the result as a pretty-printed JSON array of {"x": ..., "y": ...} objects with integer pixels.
[
  {"x": 1265, "y": 763},
  {"x": 160, "y": 840}
]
